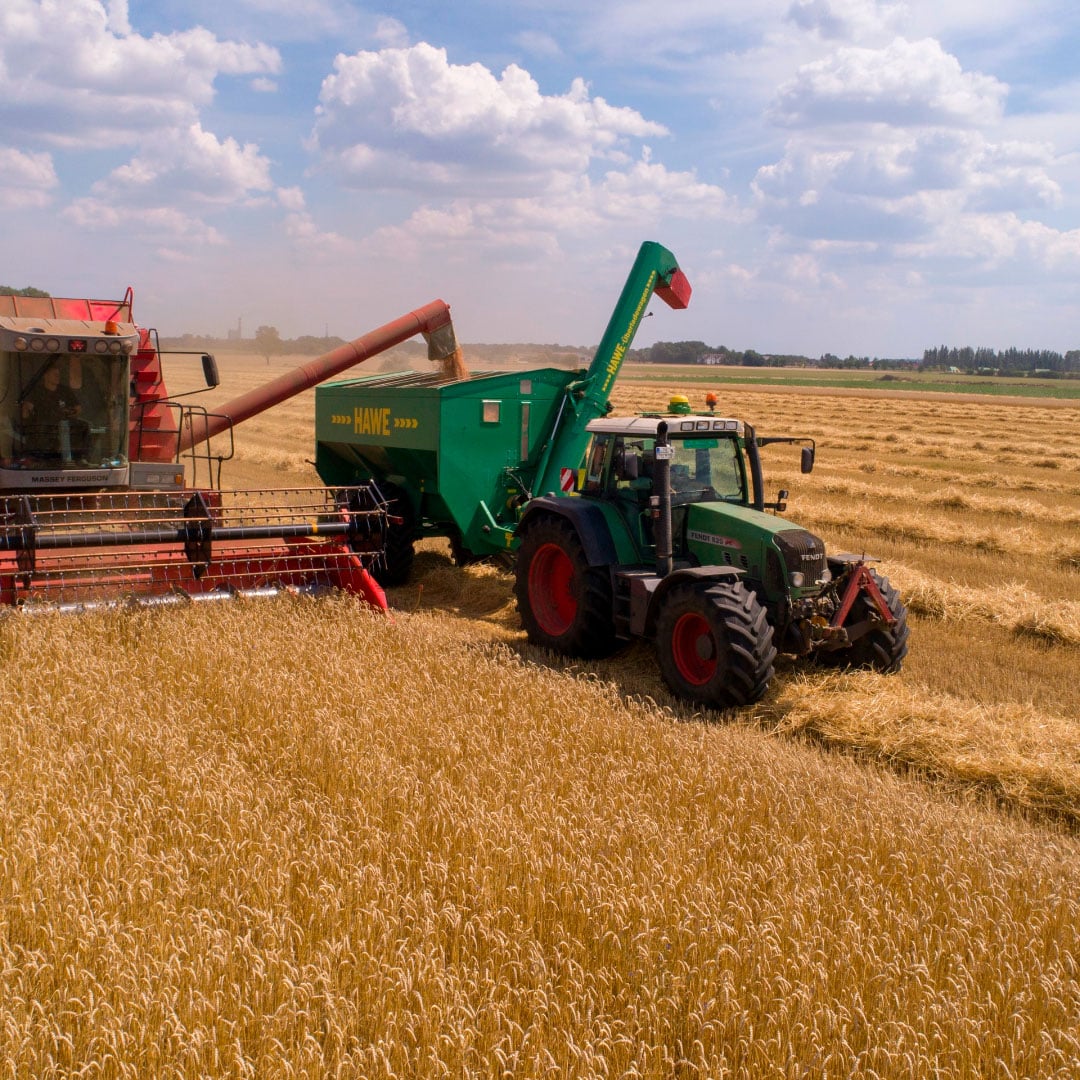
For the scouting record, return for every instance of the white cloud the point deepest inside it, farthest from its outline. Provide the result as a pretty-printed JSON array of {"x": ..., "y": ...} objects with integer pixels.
[
  {"x": 292, "y": 198},
  {"x": 902, "y": 163},
  {"x": 907, "y": 83},
  {"x": 118, "y": 21},
  {"x": 26, "y": 179},
  {"x": 156, "y": 222},
  {"x": 538, "y": 43},
  {"x": 652, "y": 191},
  {"x": 848, "y": 20},
  {"x": 895, "y": 152},
  {"x": 105, "y": 83},
  {"x": 190, "y": 164},
  {"x": 637, "y": 199},
  {"x": 301, "y": 229},
  {"x": 391, "y": 33},
  {"x": 1004, "y": 239},
  {"x": 409, "y": 118}
]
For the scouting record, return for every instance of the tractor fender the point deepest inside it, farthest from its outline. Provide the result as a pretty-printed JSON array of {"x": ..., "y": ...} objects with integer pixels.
[
  {"x": 587, "y": 519},
  {"x": 644, "y": 622}
]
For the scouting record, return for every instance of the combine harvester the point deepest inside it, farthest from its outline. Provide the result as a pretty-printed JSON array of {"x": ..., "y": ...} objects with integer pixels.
[
  {"x": 110, "y": 489},
  {"x": 653, "y": 527}
]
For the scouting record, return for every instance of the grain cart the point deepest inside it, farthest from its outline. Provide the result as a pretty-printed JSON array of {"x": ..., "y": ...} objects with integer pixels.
[
  {"x": 110, "y": 488},
  {"x": 650, "y": 527}
]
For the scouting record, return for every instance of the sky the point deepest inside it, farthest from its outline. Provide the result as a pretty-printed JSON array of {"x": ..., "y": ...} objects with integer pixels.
[{"x": 867, "y": 177}]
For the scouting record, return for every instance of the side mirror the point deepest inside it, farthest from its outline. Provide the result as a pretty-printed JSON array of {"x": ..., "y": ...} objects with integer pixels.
[
  {"x": 781, "y": 500},
  {"x": 210, "y": 371},
  {"x": 807, "y": 463}
]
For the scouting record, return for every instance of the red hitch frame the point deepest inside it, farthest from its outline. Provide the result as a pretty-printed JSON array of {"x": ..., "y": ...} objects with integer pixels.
[{"x": 862, "y": 580}]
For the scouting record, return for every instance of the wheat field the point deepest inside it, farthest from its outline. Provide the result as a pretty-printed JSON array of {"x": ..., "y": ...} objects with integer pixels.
[{"x": 295, "y": 838}]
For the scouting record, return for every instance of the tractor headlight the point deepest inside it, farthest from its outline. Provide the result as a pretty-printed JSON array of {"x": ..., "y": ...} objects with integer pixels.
[
  {"x": 826, "y": 576},
  {"x": 797, "y": 580}
]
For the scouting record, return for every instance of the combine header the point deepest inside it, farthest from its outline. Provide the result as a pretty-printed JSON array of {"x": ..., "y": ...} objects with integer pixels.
[{"x": 99, "y": 469}]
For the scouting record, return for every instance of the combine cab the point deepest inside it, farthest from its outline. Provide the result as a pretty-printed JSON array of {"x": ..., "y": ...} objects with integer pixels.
[{"x": 98, "y": 470}]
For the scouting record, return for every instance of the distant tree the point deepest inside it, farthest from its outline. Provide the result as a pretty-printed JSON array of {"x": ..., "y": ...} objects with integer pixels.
[
  {"x": 268, "y": 341},
  {"x": 676, "y": 352},
  {"x": 7, "y": 290},
  {"x": 308, "y": 345}
]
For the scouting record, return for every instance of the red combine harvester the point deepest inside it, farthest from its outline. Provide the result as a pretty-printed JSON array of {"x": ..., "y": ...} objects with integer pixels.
[{"x": 100, "y": 470}]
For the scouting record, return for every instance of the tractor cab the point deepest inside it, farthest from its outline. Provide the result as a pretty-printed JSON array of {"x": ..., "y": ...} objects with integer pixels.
[
  {"x": 718, "y": 515},
  {"x": 706, "y": 459},
  {"x": 64, "y": 387}
]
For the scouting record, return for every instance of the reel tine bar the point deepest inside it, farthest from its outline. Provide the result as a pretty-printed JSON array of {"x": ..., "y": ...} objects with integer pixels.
[{"x": 87, "y": 547}]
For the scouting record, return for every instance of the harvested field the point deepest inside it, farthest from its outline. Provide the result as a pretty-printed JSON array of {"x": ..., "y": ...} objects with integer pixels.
[{"x": 292, "y": 838}]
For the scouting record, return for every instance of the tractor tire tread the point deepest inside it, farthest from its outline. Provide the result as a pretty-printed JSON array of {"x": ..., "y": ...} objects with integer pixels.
[
  {"x": 591, "y": 635},
  {"x": 742, "y": 623}
]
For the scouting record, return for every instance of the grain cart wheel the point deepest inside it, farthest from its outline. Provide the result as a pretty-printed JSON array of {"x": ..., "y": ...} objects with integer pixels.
[
  {"x": 715, "y": 644},
  {"x": 461, "y": 555},
  {"x": 397, "y": 562},
  {"x": 565, "y": 604},
  {"x": 883, "y": 648}
]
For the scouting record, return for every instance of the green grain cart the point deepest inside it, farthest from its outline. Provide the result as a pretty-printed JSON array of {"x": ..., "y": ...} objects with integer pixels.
[{"x": 652, "y": 526}]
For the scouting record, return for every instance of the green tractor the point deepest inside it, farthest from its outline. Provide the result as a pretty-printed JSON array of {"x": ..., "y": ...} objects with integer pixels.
[
  {"x": 662, "y": 533},
  {"x": 669, "y": 539}
]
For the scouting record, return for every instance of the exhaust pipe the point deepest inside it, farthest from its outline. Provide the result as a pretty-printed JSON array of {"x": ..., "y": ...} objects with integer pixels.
[{"x": 661, "y": 502}]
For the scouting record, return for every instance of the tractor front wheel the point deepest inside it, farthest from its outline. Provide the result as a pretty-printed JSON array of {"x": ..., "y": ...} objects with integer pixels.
[
  {"x": 565, "y": 604},
  {"x": 715, "y": 644}
]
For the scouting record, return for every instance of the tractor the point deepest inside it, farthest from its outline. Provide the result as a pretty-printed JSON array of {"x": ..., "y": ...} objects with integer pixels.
[
  {"x": 650, "y": 527},
  {"x": 670, "y": 540}
]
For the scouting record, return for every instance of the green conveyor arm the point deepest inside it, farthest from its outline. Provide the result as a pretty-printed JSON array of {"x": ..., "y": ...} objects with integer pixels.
[{"x": 655, "y": 270}]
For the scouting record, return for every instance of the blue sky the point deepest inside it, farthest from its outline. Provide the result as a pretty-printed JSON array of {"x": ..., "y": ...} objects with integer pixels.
[{"x": 852, "y": 176}]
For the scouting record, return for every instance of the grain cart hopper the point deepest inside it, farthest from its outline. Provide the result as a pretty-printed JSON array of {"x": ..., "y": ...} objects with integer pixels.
[
  {"x": 101, "y": 495},
  {"x": 649, "y": 527}
]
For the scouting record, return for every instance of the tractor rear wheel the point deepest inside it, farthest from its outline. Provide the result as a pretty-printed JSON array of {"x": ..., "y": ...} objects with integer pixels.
[
  {"x": 565, "y": 604},
  {"x": 396, "y": 565},
  {"x": 715, "y": 644},
  {"x": 884, "y": 647}
]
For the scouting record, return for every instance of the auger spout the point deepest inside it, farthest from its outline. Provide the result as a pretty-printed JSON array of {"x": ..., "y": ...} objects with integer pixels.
[{"x": 432, "y": 320}]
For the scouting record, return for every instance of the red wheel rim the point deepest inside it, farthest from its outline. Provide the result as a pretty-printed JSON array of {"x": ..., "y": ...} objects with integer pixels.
[
  {"x": 551, "y": 596},
  {"x": 693, "y": 649}
]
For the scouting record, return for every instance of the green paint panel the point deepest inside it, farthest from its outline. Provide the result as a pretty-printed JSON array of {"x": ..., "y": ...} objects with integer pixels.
[{"x": 462, "y": 450}]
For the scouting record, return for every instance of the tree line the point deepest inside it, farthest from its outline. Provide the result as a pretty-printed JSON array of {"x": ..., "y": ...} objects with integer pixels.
[
  {"x": 1036, "y": 362},
  {"x": 8, "y": 290},
  {"x": 697, "y": 352},
  {"x": 1006, "y": 361}
]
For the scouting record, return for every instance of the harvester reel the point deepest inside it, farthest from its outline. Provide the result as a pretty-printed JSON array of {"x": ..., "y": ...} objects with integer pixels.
[
  {"x": 365, "y": 511},
  {"x": 396, "y": 564},
  {"x": 25, "y": 539}
]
